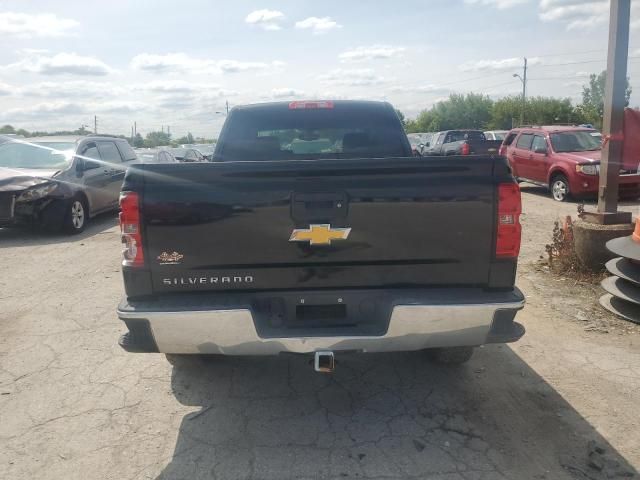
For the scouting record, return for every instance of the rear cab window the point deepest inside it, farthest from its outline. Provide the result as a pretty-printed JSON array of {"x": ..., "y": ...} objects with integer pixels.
[{"x": 343, "y": 131}]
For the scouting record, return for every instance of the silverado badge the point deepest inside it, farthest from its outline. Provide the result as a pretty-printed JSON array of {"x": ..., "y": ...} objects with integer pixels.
[
  {"x": 170, "y": 258},
  {"x": 319, "y": 234}
]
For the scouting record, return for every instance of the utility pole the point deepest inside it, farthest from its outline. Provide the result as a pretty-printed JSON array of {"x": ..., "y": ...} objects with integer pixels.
[
  {"x": 523, "y": 79},
  {"x": 132, "y": 133},
  {"x": 614, "y": 104},
  {"x": 168, "y": 129},
  {"x": 135, "y": 128},
  {"x": 227, "y": 104},
  {"x": 524, "y": 92},
  {"x": 95, "y": 124}
]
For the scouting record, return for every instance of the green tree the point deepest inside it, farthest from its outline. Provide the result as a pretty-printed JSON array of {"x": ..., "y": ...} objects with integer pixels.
[
  {"x": 458, "y": 111},
  {"x": 593, "y": 98},
  {"x": 538, "y": 111},
  {"x": 187, "y": 139},
  {"x": 138, "y": 141},
  {"x": 157, "y": 139},
  {"x": 7, "y": 129}
]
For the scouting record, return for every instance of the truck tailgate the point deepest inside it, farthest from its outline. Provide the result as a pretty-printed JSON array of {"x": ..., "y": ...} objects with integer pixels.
[{"x": 228, "y": 226}]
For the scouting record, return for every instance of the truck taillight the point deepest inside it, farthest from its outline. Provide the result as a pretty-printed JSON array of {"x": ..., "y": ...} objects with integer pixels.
[
  {"x": 465, "y": 149},
  {"x": 509, "y": 230},
  {"x": 130, "y": 231}
]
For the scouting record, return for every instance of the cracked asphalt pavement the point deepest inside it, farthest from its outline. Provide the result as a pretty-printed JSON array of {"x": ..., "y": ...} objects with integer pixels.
[{"x": 560, "y": 404}]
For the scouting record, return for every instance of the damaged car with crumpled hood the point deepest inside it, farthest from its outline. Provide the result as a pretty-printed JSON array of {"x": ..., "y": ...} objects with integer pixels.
[{"x": 61, "y": 182}]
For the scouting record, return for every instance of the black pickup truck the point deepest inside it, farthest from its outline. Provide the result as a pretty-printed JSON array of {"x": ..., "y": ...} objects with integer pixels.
[
  {"x": 461, "y": 142},
  {"x": 315, "y": 231}
]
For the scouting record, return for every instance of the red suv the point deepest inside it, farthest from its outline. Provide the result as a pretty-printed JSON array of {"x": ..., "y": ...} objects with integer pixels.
[{"x": 564, "y": 159}]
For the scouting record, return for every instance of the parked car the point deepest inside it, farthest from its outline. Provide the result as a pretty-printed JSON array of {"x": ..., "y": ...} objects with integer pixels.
[
  {"x": 206, "y": 149},
  {"x": 150, "y": 155},
  {"x": 60, "y": 182},
  {"x": 564, "y": 159},
  {"x": 186, "y": 155},
  {"x": 496, "y": 134},
  {"x": 356, "y": 246},
  {"x": 461, "y": 142}
]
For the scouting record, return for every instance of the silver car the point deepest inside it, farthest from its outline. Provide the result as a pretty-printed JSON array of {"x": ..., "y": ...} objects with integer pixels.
[{"x": 61, "y": 182}]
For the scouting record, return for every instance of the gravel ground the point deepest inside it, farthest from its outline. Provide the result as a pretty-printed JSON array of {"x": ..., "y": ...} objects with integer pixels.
[{"x": 560, "y": 404}]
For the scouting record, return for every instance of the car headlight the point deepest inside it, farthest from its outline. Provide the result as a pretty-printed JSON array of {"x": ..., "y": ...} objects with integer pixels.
[
  {"x": 37, "y": 192},
  {"x": 588, "y": 169}
]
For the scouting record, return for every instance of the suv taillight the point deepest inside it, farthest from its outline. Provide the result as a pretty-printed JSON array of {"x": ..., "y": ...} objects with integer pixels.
[
  {"x": 133, "y": 255},
  {"x": 503, "y": 150},
  {"x": 509, "y": 231},
  {"x": 465, "y": 149}
]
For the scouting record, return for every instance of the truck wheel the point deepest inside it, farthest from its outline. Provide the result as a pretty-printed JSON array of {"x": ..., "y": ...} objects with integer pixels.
[
  {"x": 451, "y": 355},
  {"x": 76, "y": 216},
  {"x": 560, "y": 188}
]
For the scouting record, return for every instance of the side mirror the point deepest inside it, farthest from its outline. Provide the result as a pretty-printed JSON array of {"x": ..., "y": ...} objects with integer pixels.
[
  {"x": 421, "y": 145},
  {"x": 428, "y": 144},
  {"x": 540, "y": 150}
]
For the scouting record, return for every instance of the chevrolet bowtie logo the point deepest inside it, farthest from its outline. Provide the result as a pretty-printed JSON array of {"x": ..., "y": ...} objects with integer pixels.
[{"x": 319, "y": 234}]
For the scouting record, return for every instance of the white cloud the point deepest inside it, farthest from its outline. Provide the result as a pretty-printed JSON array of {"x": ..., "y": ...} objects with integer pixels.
[
  {"x": 426, "y": 89},
  {"x": 61, "y": 64},
  {"x": 24, "y": 25},
  {"x": 267, "y": 19},
  {"x": 176, "y": 62},
  {"x": 6, "y": 89},
  {"x": 499, "y": 4},
  {"x": 43, "y": 110},
  {"x": 370, "y": 53},
  {"x": 500, "y": 64},
  {"x": 233, "y": 66},
  {"x": 353, "y": 77},
  {"x": 286, "y": 93},
  {"x": 183, "y": 63},
  {"x": 72, "y": 89},
  {"x": 318, "y": 25},
  {"x": 575, "y": 13}
]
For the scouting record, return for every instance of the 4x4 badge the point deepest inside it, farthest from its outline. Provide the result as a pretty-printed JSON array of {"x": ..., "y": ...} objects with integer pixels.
[
  {"x": 170, "y": 258},
  {"x": 319, "y": 234}
]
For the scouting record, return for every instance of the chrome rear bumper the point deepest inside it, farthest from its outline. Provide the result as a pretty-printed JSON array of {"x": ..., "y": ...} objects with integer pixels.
[{"x": 233, "y": 331}]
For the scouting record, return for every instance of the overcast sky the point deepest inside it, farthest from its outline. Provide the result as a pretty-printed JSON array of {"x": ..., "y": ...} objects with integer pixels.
[{"x": 176, "y": 63}]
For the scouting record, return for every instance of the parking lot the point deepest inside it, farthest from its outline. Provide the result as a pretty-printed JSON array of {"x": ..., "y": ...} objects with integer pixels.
[{"x": 561, "y": 403}]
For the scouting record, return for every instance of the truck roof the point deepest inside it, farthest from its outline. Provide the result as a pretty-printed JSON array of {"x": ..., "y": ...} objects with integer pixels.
[{"x": 334, "y": 103}]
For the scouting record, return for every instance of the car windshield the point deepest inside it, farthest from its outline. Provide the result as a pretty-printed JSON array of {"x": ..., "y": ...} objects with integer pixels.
[
  {"x": 499, "y": 135},
  {"x": 578, "y": 141},
  {"x": 44, "y": 155}
]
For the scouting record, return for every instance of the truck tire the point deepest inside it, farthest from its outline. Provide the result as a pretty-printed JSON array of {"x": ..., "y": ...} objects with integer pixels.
[
  {"x": 76, "y": 216},
  {"x": 560, "y": 188},
  {"x": 451, "y": 355}
]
